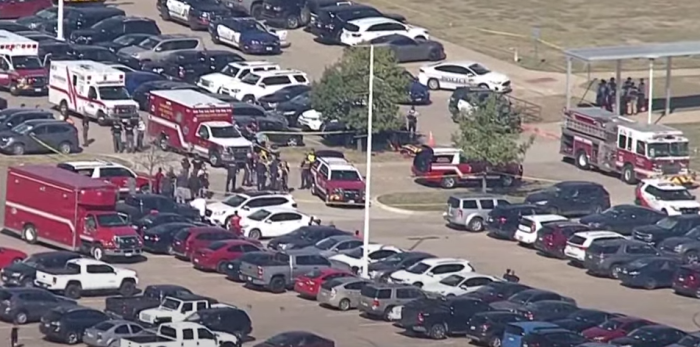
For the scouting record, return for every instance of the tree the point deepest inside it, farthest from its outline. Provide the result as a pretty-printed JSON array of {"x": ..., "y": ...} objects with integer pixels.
[
  {"x": 342, "y": 92},
  {"x": 486, "y": 133},
  {"x": 151, "y": 158}
]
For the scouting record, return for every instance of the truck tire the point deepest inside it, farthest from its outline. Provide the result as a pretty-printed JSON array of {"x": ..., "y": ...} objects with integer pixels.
[
  {"x": 14, "y": 91},
  {"x": 73, "y": 290},
  {"x": 344, "y": 305},
  {"x": 29, "y": 234},
  {"x": 292, "y": 21},
  {"x": 72, "y": 338},
  {"x": 476, "y": 224},
  {"x": 221, "y": 267},
  {"x": 214, "y": 158},
  {"x": 387, "y": 312},
  {"x": 101, "y": 118},
  {"x": 63, "y": 109},
  {"x": 437, "y": 332},
  {"x": 97, "y": 252},
  {"x": 582, "y": 160},
  {"x": 628, "y": 174},
  {"x": 127, "y": 287},
  {"x": 278, "y": 285},
  {"x": 215, "y": 38},
  {"x": 248, "y": 98}
]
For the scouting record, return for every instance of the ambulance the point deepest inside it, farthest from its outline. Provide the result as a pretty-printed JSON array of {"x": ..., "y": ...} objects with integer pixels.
[
  {"x": 21, "y": 71},
  {"x": 91, "y": 89}
]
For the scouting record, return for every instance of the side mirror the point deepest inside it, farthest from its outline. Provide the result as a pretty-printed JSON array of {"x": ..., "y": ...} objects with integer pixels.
[
  {"x": 268, "y": 221},
  {"x": 158, "y": 49},
  {"x": 262, "y": 85},
  {"x": 246, "y": 208},
  {"x": 429, "y": 274}
]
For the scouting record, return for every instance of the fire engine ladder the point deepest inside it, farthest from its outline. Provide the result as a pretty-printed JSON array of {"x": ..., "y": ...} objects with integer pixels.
[{"x": 585, "y": 128}]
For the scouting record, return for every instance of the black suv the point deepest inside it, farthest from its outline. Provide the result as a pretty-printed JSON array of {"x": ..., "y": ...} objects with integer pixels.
[
  {"x": 487, "y": 328},
  {"x": 671, "y": 226},
  {"x": 503, "y": 220},
  {"x": 276, "y": 131},
  {"x": 24, "y": 272},
  {"x": 111, "y": 28},
  {"x": 607, "y": 257},
  {"x": 622, "y": 218},
  {"x": 68, "y": 324},
  {"x": 650, "y": 273},
  {"x": 294, "y": 13},
  {"x": 188, "y": 66},
  {"x": 526, "y": 297},
  {"x": 40, "y": 136},
  {"x": 438, "y": 318},
  {"x": 584, "y": 319},
  {"x": 11, "y": 117},
  {"x": 572, "y": 198},
  {"x": 28, "y": 305},
  {"x": 81, "y": 18},
  {"x": 224, "y": 319},
  {"x": 329, "y": 21},
  {"x": 686, "y": 247},
  {"x": 94, "y": 53},
  {"x": 303, "y": 237}
]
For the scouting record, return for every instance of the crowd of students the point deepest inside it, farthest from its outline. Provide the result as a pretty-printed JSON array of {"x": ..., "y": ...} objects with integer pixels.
[{"x": 633, "y": 98}]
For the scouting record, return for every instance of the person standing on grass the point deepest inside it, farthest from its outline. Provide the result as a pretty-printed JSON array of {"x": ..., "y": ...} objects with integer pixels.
[{"x": 157, "y": 180}]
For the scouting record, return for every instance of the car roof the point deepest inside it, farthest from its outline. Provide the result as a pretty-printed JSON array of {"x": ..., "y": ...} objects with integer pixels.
[
  {"x": 369, "y": 21},
  {"x": 469, "y": 275},
  {"x": 253, "y": 64},
  {"x": 340, "y": 238},
  {"x": 92, "y": 164},
  {"x": 177, "y": 36},
  {"x": 390, "y": 285},
  {"x": 597, "y": 233},
  {"x": 87, "y": 261},
  {"x": 88, "y": 48},
  {"x": 469, "y": 195},
  {"x": 281, "y": 209},
  {"x": 576, "y": 183},
  {"x": 664, "y": 184},
  {"x": 255, "y": 194},
  {"x": 445, "y": 150},
  {"x": 349, "y": 279},
  {"x": 618, "y": 242},
  {"x": 534, "y": 324},
  {"x": 443, "y": 261},
  {"x": 545, "y": 218},
  {"x": 464, "y": 63},
  {"x": 44, "y": 121},
  {"x": 284, "y": 72}
]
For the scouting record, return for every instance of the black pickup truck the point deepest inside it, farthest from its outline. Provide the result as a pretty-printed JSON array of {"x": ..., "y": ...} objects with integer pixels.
[{"x": 128, "y": 308}]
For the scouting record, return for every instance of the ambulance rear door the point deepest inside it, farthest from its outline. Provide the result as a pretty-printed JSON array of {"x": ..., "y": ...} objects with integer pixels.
[{"x": 5, "y": 71}]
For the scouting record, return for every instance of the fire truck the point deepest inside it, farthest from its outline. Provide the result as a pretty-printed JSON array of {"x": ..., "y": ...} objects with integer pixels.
[
  {"x": 91, "y": 89},
  {"x": 193, "y": 123},
  {"x": 21, "y": 71},
  {"x": 597, "y": 139}
]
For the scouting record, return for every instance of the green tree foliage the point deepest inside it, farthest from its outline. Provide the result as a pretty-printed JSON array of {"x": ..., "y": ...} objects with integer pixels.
[
  {"x": 488, "y": 133},
  {"x": 342, "y": 92}
]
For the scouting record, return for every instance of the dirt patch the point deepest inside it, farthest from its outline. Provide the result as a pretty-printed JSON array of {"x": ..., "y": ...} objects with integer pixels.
[{"x": 499, "y": 28}]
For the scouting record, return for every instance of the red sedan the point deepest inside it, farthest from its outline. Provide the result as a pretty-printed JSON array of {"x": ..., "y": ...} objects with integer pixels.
[
  {"x": 9, "y": 256},
  {"x": 614, "y": 328},
  {"x": 309, "y": 284},
  {"x": 217, "y": 255}
]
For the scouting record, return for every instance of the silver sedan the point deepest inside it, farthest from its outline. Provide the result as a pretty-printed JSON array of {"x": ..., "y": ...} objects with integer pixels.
[{"x": 108, "y": 333}]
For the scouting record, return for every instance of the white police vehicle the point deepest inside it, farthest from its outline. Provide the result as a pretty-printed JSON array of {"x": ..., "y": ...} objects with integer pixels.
[
  {"x": 452, "y": 74},
  {"x": 219, "y": 82},
  {"x": 248, "y": 35}
]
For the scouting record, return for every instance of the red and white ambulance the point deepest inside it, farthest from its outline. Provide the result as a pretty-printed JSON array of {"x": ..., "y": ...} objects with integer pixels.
[
  {"x": 90, "y": 89},
  {"x": 21, "y": 71},
  {"x": 190, "y": 122}
]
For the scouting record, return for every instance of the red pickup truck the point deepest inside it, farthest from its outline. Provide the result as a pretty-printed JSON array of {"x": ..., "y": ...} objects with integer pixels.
[{"x": 337, "y": 182}]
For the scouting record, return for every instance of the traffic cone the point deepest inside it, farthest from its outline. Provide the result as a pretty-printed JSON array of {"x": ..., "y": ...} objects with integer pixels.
[{"x": 431, "y": 140}]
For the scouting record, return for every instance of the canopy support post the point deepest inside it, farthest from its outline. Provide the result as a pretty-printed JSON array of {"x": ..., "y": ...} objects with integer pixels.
[
  {"x": 568, "y": 83},
  {"x": 618, "y": 85},
  {"x": 650, "y": 97},
  {"x": 668, "y": 86}
]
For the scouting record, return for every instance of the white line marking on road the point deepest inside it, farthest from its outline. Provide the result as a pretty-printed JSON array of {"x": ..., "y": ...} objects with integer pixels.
[{"x": 374, "y": 324}]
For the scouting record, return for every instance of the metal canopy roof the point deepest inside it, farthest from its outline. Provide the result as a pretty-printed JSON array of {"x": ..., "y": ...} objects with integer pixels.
[{"x": 644, "y": 51}]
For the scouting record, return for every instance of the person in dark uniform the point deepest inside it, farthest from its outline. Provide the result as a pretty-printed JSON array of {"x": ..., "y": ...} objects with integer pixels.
[
  {"x": 129, "y": 136},
  {"x": 284, "y": 174},
  {"x": 260, "y": 171},
  {"x": 601, "y": 94},
  {"x": 305, "y": 173},
  {"x": 194, "y": 184},
  {"x": 231, "y": 173},
  {"x": 86, "y": 128},
  {"x": 612, "y": 92},
  {"x": 186, "y": 164},
  {"x": 197, "y": 165},
  {"x": 248, "y": 170},
  {"x": 274, "y": 173},
  {"x": 641, "y": 96},
  {"x": 510, "y": 276},
  {"x": 117, "y": 137},
  {"x": 412, "y": 122}
]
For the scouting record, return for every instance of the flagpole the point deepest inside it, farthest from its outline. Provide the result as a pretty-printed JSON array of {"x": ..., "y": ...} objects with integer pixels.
[{"x": 368, "y": 179}]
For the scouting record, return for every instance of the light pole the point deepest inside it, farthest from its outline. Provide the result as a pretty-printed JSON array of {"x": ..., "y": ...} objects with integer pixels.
[
  {"x": 368, "y": 179},
  {"x": 59, "y": 22}
]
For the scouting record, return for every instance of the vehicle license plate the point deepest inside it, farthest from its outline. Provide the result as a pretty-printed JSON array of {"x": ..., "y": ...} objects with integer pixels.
[
  {"x": 37, "y": 90},
  {"x": 128, "y": 254},
  {"x": 268, "y": 48},
  {"x": 352, "y": 201},
  {"x": 250, "y": 278}
]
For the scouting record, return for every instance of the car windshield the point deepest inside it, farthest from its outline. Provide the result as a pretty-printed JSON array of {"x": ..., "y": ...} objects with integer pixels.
[
  {"x": 252, "y": 25},
  {"x": 689, "y": 341},
  {"x": 22, "y": 129},
  {"x": 149, "y": 43},
  {"x": 345, "y": 175},
  {"x": 667, "y": 223},
  {"x": 111, "y": 220},
  {"x": 113, "y": 93},
  {"x": 227, "y": 132},
  {"x": 644, "y": 335},
  {"x": 230, "y": 70},
  {"x": 279, "y": 340},
  {"x": 419, "y": 268},
  {"x": 234, "y": 201},
  {"x": 170, "y": 304},
  {"x": 479, "y": 69},
  {"x": 612, "y": 212},
  {"x": 611, "y": 325},
  {"x": 694, "y": 233},
  {"x": 48, "y": 14},
  {"x": 520, "y": 298},
  {"x": 452, "y": 281},
  {"x": 104, "y": 326},
  {"x": 259, "y": 215},
  {"x": 251, "y": 79},
  {"x": 394, "y": 259},
  {"x": 301, "y": 99},
  {"x": 325, "y": 244},
  {"x": 675, "y": 149},
  {"x": 127, "y": 40},
  {"x": 31, "y": 261},
  {"x": 106, "y": 24},
  {"x": 22, "y": 62},
  {"x": 673, "y": 194}
]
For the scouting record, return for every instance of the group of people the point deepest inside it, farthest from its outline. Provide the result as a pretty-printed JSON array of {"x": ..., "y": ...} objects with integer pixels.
[
  {"x": 127, "y": 134},
  {"x": 632, "y": 100},
  {"x": 190, "y": 183},
  {"x": 263, "y": 170}
]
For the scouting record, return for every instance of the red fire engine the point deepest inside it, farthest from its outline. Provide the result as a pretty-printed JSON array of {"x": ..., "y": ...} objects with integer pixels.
[{"x": 598, "y": 139}]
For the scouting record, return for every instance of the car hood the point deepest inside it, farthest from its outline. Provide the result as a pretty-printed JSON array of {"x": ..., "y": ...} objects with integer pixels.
[
  {"x": 672, "y": 242},
  {"x": 651, "y": 229},
  {"x": 594, "y": 219},
  {"x": 131, "y": 51},
  {"x": 217, "y": 78},
  {"x": 255, "y": 35},
  {"x": 32, "y": 72},
  {"x": 231, "y": 142},
  {"x": 496, "y": 77},
  {"x": 505, "y": 306},
  {"x": 537, "y": 197},
  {"x": 18, "y": 268},
  {"x": 359, "y": 185},
  {"x": 380, "y": 266}
]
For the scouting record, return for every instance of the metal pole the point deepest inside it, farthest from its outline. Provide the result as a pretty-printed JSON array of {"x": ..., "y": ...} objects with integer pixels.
[
  {"x": 668, "y": 86},
  {"x": 618, "y": 86},
  {"x": 368, "y": 179},
  {"x": 650, "y": 97},
  {"x": 568, "y": 83},
  {"x": 59, "y": 22}
]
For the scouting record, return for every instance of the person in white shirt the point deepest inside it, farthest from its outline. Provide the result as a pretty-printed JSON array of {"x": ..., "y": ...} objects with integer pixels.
[
  {"x": 201, "y": 205},
  {"x": 140, "y": 133}
]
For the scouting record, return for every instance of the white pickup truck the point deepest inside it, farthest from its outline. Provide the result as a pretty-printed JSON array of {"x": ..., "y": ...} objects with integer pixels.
[
  {"x": 177, "y": 308},
  {"x": 87, "y": 275},
  {"x": 183, "y": 334}
]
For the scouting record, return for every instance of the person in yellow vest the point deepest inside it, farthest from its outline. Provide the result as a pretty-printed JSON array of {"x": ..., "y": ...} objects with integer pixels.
[{"x": 311, "y": 157}]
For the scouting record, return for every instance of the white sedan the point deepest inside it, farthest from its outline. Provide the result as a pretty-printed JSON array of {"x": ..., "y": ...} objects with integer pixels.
[
  {"x": 457, "y": 285},
  {"x": 453, "y": 74},
  {"x": 363, "y": 30},
  {"x": 353, "y": 259},
  {"x": 310, "y": 120},
  {"x": 273, "y": 222}
]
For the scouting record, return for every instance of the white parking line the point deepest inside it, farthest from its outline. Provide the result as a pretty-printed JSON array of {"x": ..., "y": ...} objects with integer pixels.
[{"x": 374, "y": 324}]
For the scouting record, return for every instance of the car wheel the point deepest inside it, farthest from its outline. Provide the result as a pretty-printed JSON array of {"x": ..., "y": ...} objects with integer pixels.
[
  {"x": 277, "y": 285},
  {"x": 448, "y": 182},
  {"x": 650, "y": 284},
  {"x": 14, "y": 91},
  {"x": 114, "y": 343},
  {"x": 256, "y": 11},
  {"x": 27, "y": 282},
  {"x": 582, "y": 160},
  {"x": 214, "y": 158},
  {"x": 476, "y": 224},
  {"x": 97, "y": 252},
  {"x": 437, "y": 332},
  {"x": 691, "y": 257},
  {"x": 65, "y": 148},
  {"x": 18, "y": 149},
  {"x": 72, "y": 338},
  {"x": 433, "y": 84},
  {"x": 215, "y": 38},
  {"x": 249, "y": 99},
  {"x": 255, "y": 234},
  {"x": 495, "y": 342},
  {"x": 387, "y": 313},
  {"x": 615, "y": 271},
  {"x": 507, "y": 181},
  {"x": 73, "y": 291},
  {"x": 484, "y": 86},
  {"x": 421, "y": 38},
  {"x": 292, "y": 142},
  {"x": 16, "y": 260},
  {"x": 344, "y": 305},
  {"x": 29, "y": 234},
  {"x": 20, "y": 318},
  {"x": 102, "y": 119},
  {"x": 127, "y": 288},
  {"x": 221, "y": 267},
  {"x": 292, "y": 21}
]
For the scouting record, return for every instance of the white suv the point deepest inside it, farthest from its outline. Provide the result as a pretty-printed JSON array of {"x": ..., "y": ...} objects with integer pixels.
[
  {"x": 220, "y": 213},
  {"x": 431, "y": 270},
  {"x": 529, "y": 225},
  {"x": 375, "y": 253},
  {"x": 578, "y": 243},
  {"x": 219, "y": 82},
  {"x": 456, "y": 285},
  {"x": 258, "y": 84},
  {"x": 669, "y": 198},
  {"x": 273, "y": 221}
]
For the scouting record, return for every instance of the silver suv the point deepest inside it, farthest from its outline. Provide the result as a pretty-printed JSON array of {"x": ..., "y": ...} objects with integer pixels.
[
  {"x": 156, "y": 48},
  {"x": 469, "y": 211},
  {"x": 379, "y": 299}
]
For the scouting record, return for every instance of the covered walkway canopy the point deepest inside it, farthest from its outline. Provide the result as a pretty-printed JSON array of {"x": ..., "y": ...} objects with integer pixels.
[{"x": 651, "y": 51}]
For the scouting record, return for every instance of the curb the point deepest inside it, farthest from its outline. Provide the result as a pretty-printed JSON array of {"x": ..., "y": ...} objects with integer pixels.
[{"x": 375, "y": 202}]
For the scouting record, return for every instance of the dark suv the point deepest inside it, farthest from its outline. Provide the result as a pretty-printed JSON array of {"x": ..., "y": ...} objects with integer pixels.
[
  {"x": 24, "y": 272},
  {"x": 572, "y": 198},
  {"x": 607, "y": 258},
  {"x": 11, "y": 117},
  {"x": 27, "y": 305},
  {"x": 81, "y": 18},
  {"x": 40, "y": 136},
  {"x": 687, "y": 281},
  {"x": 294, "y": 13},
  {"x": 68, "y": 324},
  {"x": 111, "y": 28},
  {"x": 438, "y": 318},
  {"x": 329, "y": 21},
  {"x": 503, "y": 220},
  {"x": 671, "y": 226}
]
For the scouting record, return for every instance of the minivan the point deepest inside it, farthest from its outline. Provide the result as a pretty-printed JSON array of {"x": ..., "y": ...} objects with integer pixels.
[{"x": 377, "y": 300}]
